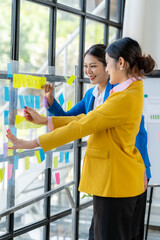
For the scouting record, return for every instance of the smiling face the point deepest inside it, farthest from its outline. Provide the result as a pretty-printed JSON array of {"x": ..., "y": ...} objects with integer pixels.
[{"x": 95, "y": 70}]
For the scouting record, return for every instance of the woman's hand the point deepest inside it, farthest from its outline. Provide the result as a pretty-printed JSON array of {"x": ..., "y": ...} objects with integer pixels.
[
  {"x": 20, "y": 143},
  {"x": 48, "y": 92},
  {"x": 31, "y": 115}
]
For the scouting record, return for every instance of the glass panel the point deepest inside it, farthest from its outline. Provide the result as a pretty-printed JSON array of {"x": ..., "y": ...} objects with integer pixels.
[
  {"x": 3, "y": 225},
  {"x": 113, "y": 33},
  {"x": 85, "y": 222},
  {"x": 36, "y": 234},
  {"x": 94, "y": 33},
  {"x": 67, "y": 43},
  {"x": 34, "y": 37},
  {"x": 115, "y": 10},
  {"x": 71, "y": 3},
  {"x": 96, "y": 7},
  {"x": 29, "y": 215},
  {"x": 5, "y": 33},
  {"x": 61, "y": 229}
]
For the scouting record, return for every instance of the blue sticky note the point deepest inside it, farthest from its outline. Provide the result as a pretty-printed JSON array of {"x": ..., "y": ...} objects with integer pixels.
[
  {"x": 14, "y": 131},
  {"x": 6, "y": 119},
  {"x": 67, "y": 157},
  {"x": 6, "y": 93},
  {"x": 27, "y": 101},
  {"x": 37, "y": 102},
  {"x": 61, "y": 157},
  {"x": 16, "y": 159},
  {"x": 61, "y": 99},
  {"x": 32, "y": 101},
  {"x": 9, "y": 69},
  {"x": 21, "y": 101},
  {"x": 42, "y": 155}
]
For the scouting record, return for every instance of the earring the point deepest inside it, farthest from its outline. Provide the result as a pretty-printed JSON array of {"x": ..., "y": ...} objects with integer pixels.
[{"x": 121, "y": 68}]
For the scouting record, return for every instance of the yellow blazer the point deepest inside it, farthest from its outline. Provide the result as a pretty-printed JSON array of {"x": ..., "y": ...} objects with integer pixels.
[{"x": 112, "y": 167}]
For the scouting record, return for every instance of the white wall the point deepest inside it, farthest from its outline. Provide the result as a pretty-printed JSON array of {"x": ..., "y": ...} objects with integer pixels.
[{"x": 141, "y": 22}]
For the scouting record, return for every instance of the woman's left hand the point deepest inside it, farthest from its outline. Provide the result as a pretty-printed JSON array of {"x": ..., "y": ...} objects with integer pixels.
[{"x": 20, "y": 143}]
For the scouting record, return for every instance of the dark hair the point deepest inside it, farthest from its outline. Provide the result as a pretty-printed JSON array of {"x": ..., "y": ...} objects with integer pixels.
[
  {"x": 98, "y": 51},
  {"x": 130, "y": 50}
]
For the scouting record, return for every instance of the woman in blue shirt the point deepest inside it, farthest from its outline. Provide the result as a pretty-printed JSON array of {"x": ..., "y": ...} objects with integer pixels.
[{"x": 94, "y": 68}]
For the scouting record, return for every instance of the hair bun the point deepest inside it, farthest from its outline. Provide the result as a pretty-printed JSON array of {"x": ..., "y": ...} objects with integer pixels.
[{"x": 146, "y": 63}]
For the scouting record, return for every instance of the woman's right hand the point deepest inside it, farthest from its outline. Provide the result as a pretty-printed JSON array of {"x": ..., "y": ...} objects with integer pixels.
[
  {"x": 31, "y": 115},
  {"x": 47, "y": 90}
]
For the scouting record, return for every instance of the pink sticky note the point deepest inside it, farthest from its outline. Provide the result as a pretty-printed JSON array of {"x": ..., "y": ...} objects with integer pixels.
[
  {"x": 159, "y": 136},
  {"x": 45, "y": 102},
  {"x": 10, "y": 167},
  {"x": 57, "y": 178}
]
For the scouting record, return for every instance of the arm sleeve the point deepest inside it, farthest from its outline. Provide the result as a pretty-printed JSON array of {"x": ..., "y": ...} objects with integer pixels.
[
  {"x": 57, "y": 110},
  {"x": 112, "y": 113},
  {"x": 141, "y": 145}
]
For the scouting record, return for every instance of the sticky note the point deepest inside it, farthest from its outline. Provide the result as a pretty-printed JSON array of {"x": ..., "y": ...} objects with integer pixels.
[
  {"x": 6, "y": 93},
  {"x": 61, "y": 99},
  {"x": 2, "y": 171},
  {"x": 20, "y": 150},
  {"x": 61, "y": 157},
  {"x": 14, "y": 131},
  {"x": 69, "y": 105},
  {"x": 10, "y": 151},
  {"x": 16, "y": 159},
  {"x": 57, "y": 177},
  {"x": 56, "y": 162},
  {"x": 32, "y": 101},
  {"x": 37, "y": 154},
  {"x": 37, "y": 102},
  {"x": 71, "y": 79},
  {"x": 29, "y": 81},
  {"x": 6, "y": 119},
  {"x": 9, "y": 70},
  {"x": 26, "y": 162},
  {"x": 27, "y": 101},
  {"x": 67, "y": 157},
  {"x": 10, "y": 168},
  {"x": 45, "y": 102},
  {"x": 21, "y": 102},
  {"x": 5, "y": 149},
  {"x": 42, "y": 155}
]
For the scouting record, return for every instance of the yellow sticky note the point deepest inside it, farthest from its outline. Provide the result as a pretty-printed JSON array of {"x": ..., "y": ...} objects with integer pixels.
[
  {"x": 29, "y": 81},
  {"x": 69, "y": 105},
  {"x": 71, "y": 79},
  {"x": 10, "y": 151},
  {"x": 56, "y": 162},
  {"x": 2, "y": 170},
  {"x": 26, "y": 163},
  {"x": 37, "y": 154},
  {"x": 20, "y": 150}
]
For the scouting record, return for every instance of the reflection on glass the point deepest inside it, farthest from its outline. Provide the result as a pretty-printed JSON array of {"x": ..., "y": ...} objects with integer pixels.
[
  {"x": 85, "y": 219},
  {"x": 34, "y": 29},
  {"x": 115, "y": 10},
  {"x": 67, "y": 43},
  {"x": 29, "y": 215},
  {"x": 96, "y": 7},
  {"x": 94, "y": 33},
  {"x": 113, "y": 34},
  {"x": 3, "y": 226},
  {"x": 71, "y": 3},
  {"x": 5, "y": 33},
  {"x": 61, "y": 229},
  {"x": 36, "y": 234}
]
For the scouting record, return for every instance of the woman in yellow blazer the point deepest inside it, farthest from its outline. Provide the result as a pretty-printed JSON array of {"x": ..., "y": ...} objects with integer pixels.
[{"x": 113, "y": 169}]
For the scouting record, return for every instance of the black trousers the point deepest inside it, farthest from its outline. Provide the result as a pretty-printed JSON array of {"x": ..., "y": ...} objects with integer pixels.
[{"x": 118, "y": 218}]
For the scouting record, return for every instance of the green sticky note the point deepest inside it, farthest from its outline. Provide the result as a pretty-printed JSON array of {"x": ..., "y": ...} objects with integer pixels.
[
  {"x": 37, "y": 154},
  {"x": 55, "y": 162},
  {"x": 71, "y": 79}
]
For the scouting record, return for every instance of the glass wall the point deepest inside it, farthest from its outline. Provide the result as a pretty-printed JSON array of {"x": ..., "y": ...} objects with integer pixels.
[{"x": 44, "y": 41}]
